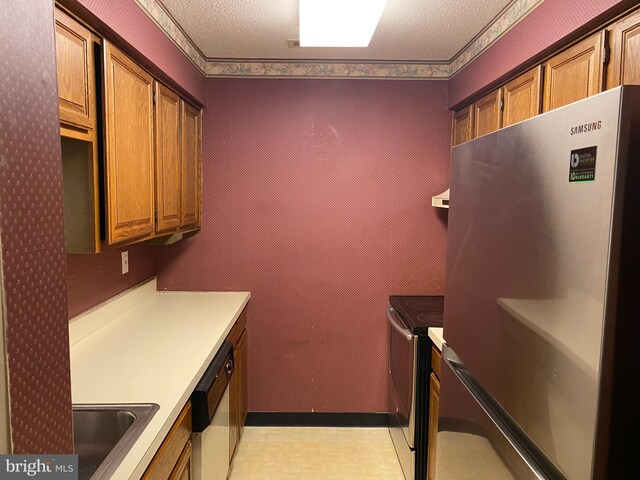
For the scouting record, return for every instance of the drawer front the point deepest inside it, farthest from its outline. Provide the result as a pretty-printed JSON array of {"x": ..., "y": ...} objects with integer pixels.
[{"x": 171, "y": 449}]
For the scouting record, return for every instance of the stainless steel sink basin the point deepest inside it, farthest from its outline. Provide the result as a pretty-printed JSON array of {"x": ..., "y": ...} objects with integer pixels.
[{"x": 104, "y": 433}]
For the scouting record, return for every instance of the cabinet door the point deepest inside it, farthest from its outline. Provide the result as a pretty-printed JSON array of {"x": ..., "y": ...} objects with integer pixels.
[
  {"x": 182, "y": 470},
  {"x": 521, "y": 97},
  {"x": 463, "y": 125},
  {"x": 128, "y": 148},
  {"x": 243, "y": 386},
  {"x": 434, "y": 408},
  {"x": 234, "y": 406},
  {"x": 626, "y": 52},
  {"x": 574, "y": 74},
  {"x": 76, "y": 77},
  {"x": 191, "y": 141},
  {"x": 488, "y": 114},
  {"x": 174, "y": 452},
  {"x": 168, "y": 159}
]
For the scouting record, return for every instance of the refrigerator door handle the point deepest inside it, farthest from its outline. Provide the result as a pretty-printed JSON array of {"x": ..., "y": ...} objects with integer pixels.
[
  {"x": 539, "y": 465},
  {"x": 408, "y": 335}
]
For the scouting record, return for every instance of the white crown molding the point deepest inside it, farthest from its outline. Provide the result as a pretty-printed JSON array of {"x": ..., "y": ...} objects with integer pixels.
[{"x": 507, "y": 19}]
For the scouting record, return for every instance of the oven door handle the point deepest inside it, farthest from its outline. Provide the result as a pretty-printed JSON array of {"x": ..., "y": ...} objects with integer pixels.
[{"x": 407, "y": 334}]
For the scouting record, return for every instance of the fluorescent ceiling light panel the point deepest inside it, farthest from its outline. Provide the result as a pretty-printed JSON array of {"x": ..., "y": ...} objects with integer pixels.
[{"x": 339, "y": 23}]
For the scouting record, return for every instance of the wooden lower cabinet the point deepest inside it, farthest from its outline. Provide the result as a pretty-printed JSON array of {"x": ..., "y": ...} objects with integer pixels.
[
  {"x": 434, "y": 409},
  {"x": 238, "y": 387},
  {"x": 174, "y": 455},
  {"x": 242, "y": 381},
  {"x": 183, "y": 469}
]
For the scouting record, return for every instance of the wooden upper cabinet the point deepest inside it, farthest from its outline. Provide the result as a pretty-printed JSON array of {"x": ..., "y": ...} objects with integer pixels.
[
  {"x": 575, "y": 73},
  {"x": 76, "y": 77},
  {"x": 463, "y": 125},
  {"x": 128, "y": 148},
  {"x": 191, "y": 141},
  {"x": 625, "y": 37},
  {"x": 522, "y": 96},
  {"x": 488, "y": 114},
  {"x": 168, "y": 159}
]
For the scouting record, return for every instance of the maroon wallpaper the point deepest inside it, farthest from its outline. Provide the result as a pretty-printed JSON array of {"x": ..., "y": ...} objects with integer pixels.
[
  {"x": 131, "y": 23},
  {"x": 547, "y": 24},
  {"x": 32, "y": 234},
  {"x": 317, "y": 199},
  {"x": 92, "y": 279}
]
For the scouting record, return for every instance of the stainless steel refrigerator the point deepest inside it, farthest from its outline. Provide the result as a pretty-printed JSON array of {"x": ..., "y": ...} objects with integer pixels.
[{"x": 542, "y": 303}]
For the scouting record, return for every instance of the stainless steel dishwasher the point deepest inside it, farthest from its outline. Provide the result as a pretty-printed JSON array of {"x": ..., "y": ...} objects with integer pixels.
[{"x": 210, "y": 407}]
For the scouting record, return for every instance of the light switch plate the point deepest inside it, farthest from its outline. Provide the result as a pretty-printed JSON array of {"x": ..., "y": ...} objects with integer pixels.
[{"x": 125, "y": 262}]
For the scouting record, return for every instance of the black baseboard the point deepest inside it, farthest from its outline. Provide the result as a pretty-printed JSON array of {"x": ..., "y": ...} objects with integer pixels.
[{"x": 316, "y": 419}]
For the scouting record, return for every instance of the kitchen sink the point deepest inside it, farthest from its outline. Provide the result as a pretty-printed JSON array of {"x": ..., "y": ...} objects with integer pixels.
[{"x": 103, "y": 434}]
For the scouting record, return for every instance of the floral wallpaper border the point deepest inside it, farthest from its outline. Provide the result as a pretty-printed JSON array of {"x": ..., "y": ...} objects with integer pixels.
[
  {"x": 168, "y": 25},
  {"x": 322, "y": 69},
  {"x": 516, "y": 11},
  {"x": 505, "y": 21}
]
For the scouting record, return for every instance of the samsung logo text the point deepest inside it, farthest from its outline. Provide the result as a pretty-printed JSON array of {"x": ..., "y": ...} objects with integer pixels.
[{"x": 587, "y": 127}]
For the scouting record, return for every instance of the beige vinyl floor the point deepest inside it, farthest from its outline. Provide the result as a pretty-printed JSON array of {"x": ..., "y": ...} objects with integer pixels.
[{"x": 301, "y": 453}]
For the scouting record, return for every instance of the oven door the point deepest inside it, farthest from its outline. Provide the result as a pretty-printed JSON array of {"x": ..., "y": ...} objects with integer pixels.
[
  {"x": 402, "y": 377},
  {"x": 476, "y": 439}
]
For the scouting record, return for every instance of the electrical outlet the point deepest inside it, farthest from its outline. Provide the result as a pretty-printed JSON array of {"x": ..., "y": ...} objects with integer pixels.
[{"x": 125, "y": 262}]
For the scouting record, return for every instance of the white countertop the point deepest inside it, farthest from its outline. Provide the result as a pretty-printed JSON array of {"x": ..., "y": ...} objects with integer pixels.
[
  {"x": 149, "y": 347},
  {"x": 437, "y": 337}
]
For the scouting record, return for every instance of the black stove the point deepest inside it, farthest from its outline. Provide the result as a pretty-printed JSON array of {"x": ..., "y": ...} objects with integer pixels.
[{"x": 419, "y": 312}]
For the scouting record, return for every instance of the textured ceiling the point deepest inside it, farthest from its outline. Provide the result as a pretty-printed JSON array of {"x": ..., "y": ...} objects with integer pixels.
[{"x": 409, "y": 30}]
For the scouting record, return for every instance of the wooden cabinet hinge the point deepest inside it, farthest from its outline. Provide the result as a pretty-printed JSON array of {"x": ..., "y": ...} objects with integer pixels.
[
  {"x": 155, "y": 216},
  {"x": 154, "y": 97},
  {"x": 502, "y": 104}
]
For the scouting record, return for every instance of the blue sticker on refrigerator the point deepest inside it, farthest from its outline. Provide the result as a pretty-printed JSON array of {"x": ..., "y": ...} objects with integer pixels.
[{"x": 582, "y": 165}]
